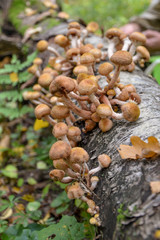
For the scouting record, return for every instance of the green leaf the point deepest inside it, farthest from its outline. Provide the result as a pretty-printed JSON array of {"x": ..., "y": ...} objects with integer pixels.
[
  {"x": 10, "y": 171},
  {"x": 33, "y": 206},
  {"x": 154, "y": 58},
  {"x": 45, "y": 190},
  {"x": 20, "y": 182},
  {"x": 156, "y": 73},
  {"x": 61, "y": 199},
  {"x": 41, "y": 165},
  {"x": 31, "y": 181},
  {"x": 67, "y": 229}
]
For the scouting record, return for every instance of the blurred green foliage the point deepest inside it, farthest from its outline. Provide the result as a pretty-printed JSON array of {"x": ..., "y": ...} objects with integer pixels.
[{"x": 106, "y": 13}]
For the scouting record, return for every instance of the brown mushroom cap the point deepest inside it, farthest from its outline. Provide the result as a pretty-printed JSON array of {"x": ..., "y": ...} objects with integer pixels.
[
  {"x": 41, "y": 110},
  {"x": 75, "y": 191},
  {"x": 60, "y": 129},
  {"x": 42, "y": 45},
  {"x": 121, "y": 58},
  {"x": 60, "y": 164},
  {"x": 80, "y": 69},
  {"x": 105, "y": 68},
  {"x": 73, "y": 32},
  {"x": 87, "y": 58},
  {"x": 144, "y": 53},
  {"x": 86, "y": 48},
  {"x": 74, "y": 133},
  {"x": 57, "y": 174},
  {"x": 104, "y": 160},
  {"x": 130, "y": 111},
  {"x": 59, "y": 111},
  {"x": 92, "y": 27},
  {"x": 59, "y": 150},
  {"x": 104, "y": 110},
  {"x": 37, "y": 87},
  {"x": 105, "y": 124},
  {"x": 64, "y": 83},
  {"x": 138, "y": 37},
  {"x": 78, "y": 155},
  {"x": 28, "y": 95},
  {"x": 45, "y": 79},
  {"x": 87, "y": 86},
  {"x": 113, "y": 32},
  {"x": 61, "y": 40},
  {"x": 74, "y": 25},
  {"x": 37, "y": 61},
  {"x": 72, "y": 52}
]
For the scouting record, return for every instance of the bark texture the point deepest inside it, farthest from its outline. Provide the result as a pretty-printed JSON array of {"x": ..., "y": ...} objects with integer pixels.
[{"x": 124, "y": 187}]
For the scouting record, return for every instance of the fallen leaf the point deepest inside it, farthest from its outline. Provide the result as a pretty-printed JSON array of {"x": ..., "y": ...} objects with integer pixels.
[
  {"x": 10, "y": 171},
  {"x": 14, "y": 77},
  {"x": 38, "y": 124},
  {"x": 6, "y": 214},
  {"x": 157, "y": 234},
  {"x": 140, "y": 149},
  {"x": 155, "y": 186}
]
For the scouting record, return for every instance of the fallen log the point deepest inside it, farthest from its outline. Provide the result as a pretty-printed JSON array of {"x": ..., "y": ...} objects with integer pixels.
[{"x": 128, "y": 209}]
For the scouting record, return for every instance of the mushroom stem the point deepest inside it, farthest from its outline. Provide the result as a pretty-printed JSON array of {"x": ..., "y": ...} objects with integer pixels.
[
  {"x": 65, "y": 139},
  {"x": 114, "y": 78},
  {"x": 80, "y": 112},
  {"x": 77, "y": 97},
  {"x": 66, "y": 179},
  {"x": 94, "y": 170},
  {"x": 116, "y": 101},
  {"x": 126, "y": 44},
  {"x": 54, "y": 51},
  {"x": 94, "y": 99},
  {"x": 50, "y": 120}
]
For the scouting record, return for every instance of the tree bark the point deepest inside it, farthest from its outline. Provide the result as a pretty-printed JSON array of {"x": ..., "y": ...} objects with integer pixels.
[{"x": 124, "y": 186}]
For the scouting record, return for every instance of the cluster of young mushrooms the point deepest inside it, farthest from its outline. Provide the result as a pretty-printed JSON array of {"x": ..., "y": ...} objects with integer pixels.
[{"x": 69, "y": 90}]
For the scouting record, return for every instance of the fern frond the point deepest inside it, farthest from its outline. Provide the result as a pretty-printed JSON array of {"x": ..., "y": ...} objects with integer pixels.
[
  {"x": 5, "y": 79},
  {"x": 12, "y": 113},
  {"x": 13, "y": 95},
  {"x": 28, "y": 61},
  {"x": 24, "y": 76}
]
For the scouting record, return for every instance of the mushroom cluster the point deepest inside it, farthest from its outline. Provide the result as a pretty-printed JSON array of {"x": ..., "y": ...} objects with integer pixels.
[{"x": 68, "y": 90}]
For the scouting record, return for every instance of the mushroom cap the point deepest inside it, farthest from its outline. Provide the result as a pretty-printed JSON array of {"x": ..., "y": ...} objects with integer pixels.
[
  {"x": 28, "y": 95},
  {"x": 92, "y": 27},
  {"x": 144, "y": 53},
  {"x": 104, "y": 160},
  {"x": 74, "y": 133},
  {"x": 74, "y": 25},
  {"x": 37, "y": 87},
  {"x": 105, "y": 124},
  {"x": 72, "y": 52},
  {"x": 104, "y": 110},
  {"x": 41, "y": 110},
  {"x": 111, "y": 92},
  {"x": 87, "y": 86},
  {"x": 94, "y": 179},
  {"x": 42, "y": 45},
  {"x": 135, "y": 97},
  {"x": 59, "y": 111},
  {"x": 59, "y": 150},
  {"x": 89, "y": 125},
  {"x": 96, "y": 53},
  {"x": 87, "y": 58},
  {"x": 86, "y": 48},
  {"x": 121, "y": 57},
  {"x": 57, "y": 174},
  {"x": 60, "y": 164},
  {"x": 138, "y": 37},
  {"x": 80, "y": 69},
  {"x": 32, "y": 69},
  {"x": 61, "y": 40},
  {"x": 37, "y": 61},
  {"x": 113, "y": 32},
  {"x": 95, "y": 117},
  {"x": 45, "y": 79},
  {"x": 73, "y": 32},
  {"x": 75, "y": 191},
  {"x": 105, "y": 68},
  {"x": 130, "y": 111},
  {"x": 60, "y": 129},
  {"x": 53, "y": 72},
  {"x": 78, "y": 155},
  {"x": 64, "y": 83}
]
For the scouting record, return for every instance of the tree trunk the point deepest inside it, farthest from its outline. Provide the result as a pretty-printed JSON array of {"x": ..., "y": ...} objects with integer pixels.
[{"x": 124, "y": 189}]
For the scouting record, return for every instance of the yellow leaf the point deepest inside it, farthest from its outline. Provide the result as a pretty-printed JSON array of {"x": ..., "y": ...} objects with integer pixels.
[
  {"x": 38, "y": 124},
  {"x": 6, "y": 214},
  {"x": 28, "y": 198},
  {"x": 157, "y": 234},
  {"x": 13, "y": 77}
]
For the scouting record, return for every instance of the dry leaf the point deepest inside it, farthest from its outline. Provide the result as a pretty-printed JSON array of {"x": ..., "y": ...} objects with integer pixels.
[
  {"x": 155, "y": 186},
  {"x": 38, "y": 124},
  {"x": 14, "y": 77},
  {"x": 140, "y": 149},
  {"x": 6, "y": 214}
]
